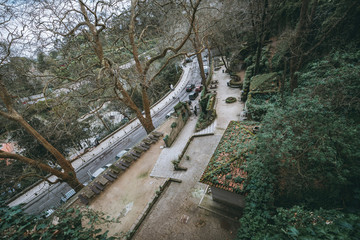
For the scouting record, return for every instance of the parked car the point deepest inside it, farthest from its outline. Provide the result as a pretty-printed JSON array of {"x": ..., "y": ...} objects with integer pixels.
[
  {"x": 49, "y": 212},
  {"x": 99, "y": 171},
  {"x": 121, "y": 153},
  {"x": 67, "y": 196},
  {"x": 198, "y": 88},
  {"x": 190, "y": 87},
  {"x": 193, "y": 96}
]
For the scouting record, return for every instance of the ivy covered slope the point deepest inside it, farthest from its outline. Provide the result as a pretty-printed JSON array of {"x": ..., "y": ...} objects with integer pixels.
[{"x": 304, "y": 179}]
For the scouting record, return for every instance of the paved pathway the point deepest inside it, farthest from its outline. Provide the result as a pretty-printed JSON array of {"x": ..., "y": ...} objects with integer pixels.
[
  {"x": 225, "y": 113},
  {"x": 163, "y": 167},
  {"x": 176, "y": 215}
]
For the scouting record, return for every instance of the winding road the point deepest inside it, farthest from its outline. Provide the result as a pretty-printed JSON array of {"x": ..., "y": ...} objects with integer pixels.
[{"x": 44, "y": 196}]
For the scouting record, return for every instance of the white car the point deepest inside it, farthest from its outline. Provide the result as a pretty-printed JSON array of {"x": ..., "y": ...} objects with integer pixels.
[
  {"x": 67, "y": 196},
  {"x": 121, "y": 153},
  {"x": 99, "y": 171}
]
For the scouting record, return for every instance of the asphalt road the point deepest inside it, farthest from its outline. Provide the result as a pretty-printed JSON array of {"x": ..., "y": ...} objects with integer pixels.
[{"x": 51, "y": 198}]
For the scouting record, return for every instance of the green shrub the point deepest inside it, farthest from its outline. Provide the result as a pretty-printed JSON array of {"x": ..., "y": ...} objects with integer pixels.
[
  {"x": 230, "y": 100},
  {"x": 238, "y": 179}
]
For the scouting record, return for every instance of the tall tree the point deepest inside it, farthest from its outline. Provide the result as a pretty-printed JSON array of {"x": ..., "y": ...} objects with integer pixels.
[
  {"x": 261, "y": 35},
  {"x": 11, "y": 35},
  {"x": 306, "y": 28},
  {"x": 93, "y": 20},
  {"x": 10, "y": 113}
]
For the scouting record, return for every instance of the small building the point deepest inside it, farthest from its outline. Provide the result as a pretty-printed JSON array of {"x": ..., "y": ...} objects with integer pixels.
[
  {"x": 226, "y": 171},
  {"x": 7, "y": 147}
]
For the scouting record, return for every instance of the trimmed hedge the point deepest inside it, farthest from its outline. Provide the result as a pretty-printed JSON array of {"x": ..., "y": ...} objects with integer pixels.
[{"x": 230, "y": 100}]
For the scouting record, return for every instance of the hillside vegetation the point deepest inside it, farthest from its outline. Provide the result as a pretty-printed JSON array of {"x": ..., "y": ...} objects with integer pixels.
[{"x": 304, "y": 177}]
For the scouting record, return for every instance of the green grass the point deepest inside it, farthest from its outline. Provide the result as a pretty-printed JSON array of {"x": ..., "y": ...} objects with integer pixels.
[{"x": 143, "y": 175}]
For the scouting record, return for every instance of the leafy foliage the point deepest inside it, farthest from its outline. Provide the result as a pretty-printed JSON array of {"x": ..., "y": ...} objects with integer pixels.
[
  {"x": 66, "y": 224},
  {"x": 307, "y": 158}
]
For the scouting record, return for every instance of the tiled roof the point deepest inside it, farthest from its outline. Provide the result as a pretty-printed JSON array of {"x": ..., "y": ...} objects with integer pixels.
[
  {"x": 7, "y": 147},
  {"x": 226, "y": 167}
]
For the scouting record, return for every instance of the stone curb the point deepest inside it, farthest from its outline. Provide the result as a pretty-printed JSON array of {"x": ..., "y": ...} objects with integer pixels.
[{"x": 148, "y": 208}]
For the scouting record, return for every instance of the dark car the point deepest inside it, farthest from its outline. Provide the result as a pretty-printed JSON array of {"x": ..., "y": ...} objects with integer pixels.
[
  {"x": 198, "y": 88},
  {"x": 190, "y": 87},
  {"x": 193, "y": 96}
]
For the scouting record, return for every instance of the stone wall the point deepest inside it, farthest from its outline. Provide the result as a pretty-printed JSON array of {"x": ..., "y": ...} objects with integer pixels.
[
  {"x": 183, "y": 113},
  {"x": 227, "y": 197}
]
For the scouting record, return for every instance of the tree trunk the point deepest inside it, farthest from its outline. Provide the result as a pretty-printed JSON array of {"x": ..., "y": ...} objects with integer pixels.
[
  {"x": 62, "y": 176},
  {"x": 282, "y": 81},
  {"x": 260, "y": 39},
  {"x": 94, "y": 36},
  {"x": 102, "y": 121},
  {"x": 296, "y": 46},
  {"x": 209, "y": 51},
  {"x": 222, "y": 59},
  {"x": 69, "y": 174},
  {"x": 126, "y": 99},
  {"x": 196, "y": 44},
  {"x": 147, "y": 122},
  {"x": 202, "y": 71}
]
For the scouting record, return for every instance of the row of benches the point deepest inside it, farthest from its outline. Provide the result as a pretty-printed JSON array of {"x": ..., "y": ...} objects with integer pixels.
[{"x": 110, "y": 174}]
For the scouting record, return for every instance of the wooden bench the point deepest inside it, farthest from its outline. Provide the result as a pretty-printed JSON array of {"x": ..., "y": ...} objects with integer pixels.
[
  {"x": 102, "y": 180},
  {"x": 153, "y": 138},
  {"x": 94, "y": 189},
  {"x": 99, "y": 186},
  {"x": 83, "y": 199},
  {"x": 115, "y": 169},
  {"x": 135, "y": 154},
  {"x": 143, "y": 148},
  {"x": 157, "y": 134},
  {"x": 120, "y": 166},
  {"x": 144, "y": 145},
  {"x": 125, "y": 164},
  {"x": 108, "y": 177},
  {"x": 111, "y": 174},
  {"x": 148, "y": 141}
]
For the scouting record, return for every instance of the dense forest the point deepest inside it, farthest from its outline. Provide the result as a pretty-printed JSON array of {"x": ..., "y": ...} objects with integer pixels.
[{"x": 304, "y": 173}]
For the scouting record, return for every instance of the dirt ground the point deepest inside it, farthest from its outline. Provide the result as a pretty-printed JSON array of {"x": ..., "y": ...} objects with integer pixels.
[{"x": 129, "y": 195}]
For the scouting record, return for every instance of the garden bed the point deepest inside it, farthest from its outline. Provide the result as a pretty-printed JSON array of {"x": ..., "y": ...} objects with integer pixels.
[
  {"x": 230, "y": 100},
  {"x": 227, "y": 167}
]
